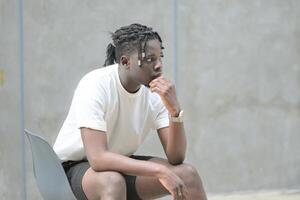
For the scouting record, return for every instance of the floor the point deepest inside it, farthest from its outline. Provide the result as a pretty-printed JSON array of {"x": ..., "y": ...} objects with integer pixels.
[
  {"x": 268, "y": 195},
  {"x": 276, "y": 195}
]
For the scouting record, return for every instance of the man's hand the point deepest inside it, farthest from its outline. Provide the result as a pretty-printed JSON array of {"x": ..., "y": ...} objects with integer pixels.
[
  {"x": 173, "y": 184},
  {"x": 166, "y": 90}
]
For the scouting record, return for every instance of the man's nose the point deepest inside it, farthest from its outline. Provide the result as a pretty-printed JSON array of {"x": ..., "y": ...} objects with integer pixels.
[{"x": 158, "y": 65}]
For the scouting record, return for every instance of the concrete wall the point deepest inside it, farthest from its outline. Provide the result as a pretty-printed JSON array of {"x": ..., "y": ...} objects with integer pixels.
[
  {"x": 238, "y": 81},
  {"x": 10, "y": 155}
]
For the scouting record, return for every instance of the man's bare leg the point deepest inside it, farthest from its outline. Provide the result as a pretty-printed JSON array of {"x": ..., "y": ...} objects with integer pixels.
[
  {"x": 150, "y": 188},
  {"x": 107, "y": 185}
]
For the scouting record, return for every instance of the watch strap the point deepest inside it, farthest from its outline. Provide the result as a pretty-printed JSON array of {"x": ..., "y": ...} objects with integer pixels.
[{"x": 178, "y": 119}]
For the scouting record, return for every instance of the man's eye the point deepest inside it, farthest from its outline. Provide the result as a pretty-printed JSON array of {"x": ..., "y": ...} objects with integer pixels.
[
  {"x": 149, "y": 59},
  {"x": 153, "y": 59}
]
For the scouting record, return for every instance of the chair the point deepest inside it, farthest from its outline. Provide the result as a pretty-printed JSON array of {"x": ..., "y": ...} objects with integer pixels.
[{"x": 48, "y": 171}]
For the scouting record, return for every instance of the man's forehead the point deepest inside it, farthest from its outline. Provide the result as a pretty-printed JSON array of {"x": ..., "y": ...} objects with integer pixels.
[
  {"x": 152, "y": 46},
  {"x": 154, "y": 43}
]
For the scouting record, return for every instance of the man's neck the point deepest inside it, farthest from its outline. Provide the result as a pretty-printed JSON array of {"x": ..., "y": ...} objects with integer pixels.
[{"x": 129, "y": 85}]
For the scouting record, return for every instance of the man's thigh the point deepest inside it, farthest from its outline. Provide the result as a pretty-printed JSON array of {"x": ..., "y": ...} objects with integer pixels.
[{"x": 84, "y": 180}]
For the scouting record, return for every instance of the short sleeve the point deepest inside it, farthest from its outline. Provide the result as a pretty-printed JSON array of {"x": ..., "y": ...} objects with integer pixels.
[
  {"x": 161, "y": 117},
  {"x": 90, "y": 106}
]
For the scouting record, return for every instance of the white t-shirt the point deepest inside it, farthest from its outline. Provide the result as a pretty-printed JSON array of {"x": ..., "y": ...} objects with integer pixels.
[{"x": 100, "y": 102}]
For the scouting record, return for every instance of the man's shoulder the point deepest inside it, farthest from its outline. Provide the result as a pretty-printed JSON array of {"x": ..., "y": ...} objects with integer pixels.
[
  {"x": 100, "y": 76},
  {"x": 101, "y": 72},
  {"x": 97, "y": 82}
]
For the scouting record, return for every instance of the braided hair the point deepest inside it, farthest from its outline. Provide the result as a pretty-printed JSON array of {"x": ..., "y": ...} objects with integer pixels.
[{"x": 126, "y": 40}]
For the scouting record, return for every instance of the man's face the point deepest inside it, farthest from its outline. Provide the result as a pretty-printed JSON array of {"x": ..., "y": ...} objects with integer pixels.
[{"x": 151, "y": 65}]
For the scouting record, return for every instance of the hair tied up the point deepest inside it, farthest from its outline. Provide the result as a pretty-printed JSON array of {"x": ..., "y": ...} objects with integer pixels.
[{"x": 110, "y": 55}]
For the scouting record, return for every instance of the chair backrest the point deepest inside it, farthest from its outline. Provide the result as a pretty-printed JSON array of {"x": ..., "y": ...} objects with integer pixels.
[{"x": 48, "y": 171}]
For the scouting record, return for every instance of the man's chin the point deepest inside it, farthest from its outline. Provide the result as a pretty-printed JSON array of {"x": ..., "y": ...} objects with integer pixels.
[
  {"x": 156, "y": 76},
  {"x": 152, "y": 78},
  {"x": 159, "y": 74}
]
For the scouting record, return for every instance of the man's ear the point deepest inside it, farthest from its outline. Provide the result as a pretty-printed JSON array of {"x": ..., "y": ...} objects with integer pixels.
[{"x": 124, "y": 60}]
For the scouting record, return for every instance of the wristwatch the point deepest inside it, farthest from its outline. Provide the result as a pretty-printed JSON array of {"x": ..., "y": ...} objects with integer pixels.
[{"x": 178, "y": 119}]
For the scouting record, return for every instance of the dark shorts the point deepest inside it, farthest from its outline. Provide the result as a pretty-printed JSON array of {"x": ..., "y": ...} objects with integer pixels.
[{"x": 75, "y": 171}]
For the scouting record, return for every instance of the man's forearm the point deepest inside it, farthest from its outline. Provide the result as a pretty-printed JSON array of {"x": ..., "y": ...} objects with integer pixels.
[
  {"x": 176, "y": 146},
  {"x": 108, "y": 161},
  {"x": 176, "y": 141}
]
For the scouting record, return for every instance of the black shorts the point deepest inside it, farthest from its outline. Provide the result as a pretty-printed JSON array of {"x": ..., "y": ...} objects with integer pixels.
[{"x": 75, "y": 171}]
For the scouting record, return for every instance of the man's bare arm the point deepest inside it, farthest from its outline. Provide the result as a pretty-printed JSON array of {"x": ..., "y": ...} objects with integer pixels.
[
  {"x": 174, "y": 142},
  {"x": 100, "y": 159},
  {"x": 172, "y": 138}
]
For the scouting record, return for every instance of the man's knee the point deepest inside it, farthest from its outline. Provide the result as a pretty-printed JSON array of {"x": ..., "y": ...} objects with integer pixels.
[
  {"x": 188, "y": 173},
  {"x": 114, "y": 183},
  {"x": 97, "y": 185}
]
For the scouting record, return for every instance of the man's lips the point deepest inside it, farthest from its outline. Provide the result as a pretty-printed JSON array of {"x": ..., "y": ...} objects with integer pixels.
[{"x": 157, "y": 74}]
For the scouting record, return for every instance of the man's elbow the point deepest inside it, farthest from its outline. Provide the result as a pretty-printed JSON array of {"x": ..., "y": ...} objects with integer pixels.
[
  {"x": 176, "y": 160},
  {"x": 97, "y": 163},
  {"x": 94, "y": 164}
]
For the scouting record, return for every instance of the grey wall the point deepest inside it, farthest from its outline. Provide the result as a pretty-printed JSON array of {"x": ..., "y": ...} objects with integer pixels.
[
  {"x": 10, "y": 155},
  {"x": 238, "y": 82}
]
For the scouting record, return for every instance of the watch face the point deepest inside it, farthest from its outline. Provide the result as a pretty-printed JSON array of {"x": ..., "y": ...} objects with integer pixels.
[{"x": 177, "y": 119}]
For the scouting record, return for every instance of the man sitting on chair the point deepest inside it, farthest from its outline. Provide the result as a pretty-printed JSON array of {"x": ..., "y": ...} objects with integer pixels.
[{"x": 112, "y": 111}]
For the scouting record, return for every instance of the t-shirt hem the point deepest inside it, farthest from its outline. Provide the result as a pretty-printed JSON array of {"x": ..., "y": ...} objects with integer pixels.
[
  {"x": 161, "y": 123},
  {"x": 101, "y": 126}
]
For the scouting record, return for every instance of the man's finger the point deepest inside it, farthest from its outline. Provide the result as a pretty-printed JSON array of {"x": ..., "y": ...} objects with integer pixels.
[
  {"x": 159, "y": 79},
  {"x": 185, "y": 192},
  {"x": 180, "y": 194},
  {"x": 165, "y": 82},
  {"x": 159, "y": 85},
  {"x": 157, "y": 90},
  {"x": 174, "y": 195}
]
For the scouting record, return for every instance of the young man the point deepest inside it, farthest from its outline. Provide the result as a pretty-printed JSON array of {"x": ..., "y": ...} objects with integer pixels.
[{"x": 112, "y": 111}]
